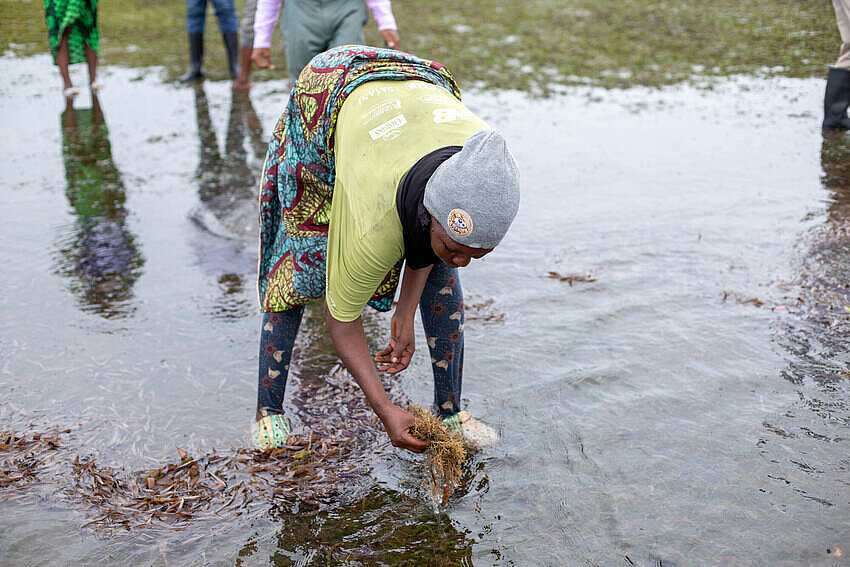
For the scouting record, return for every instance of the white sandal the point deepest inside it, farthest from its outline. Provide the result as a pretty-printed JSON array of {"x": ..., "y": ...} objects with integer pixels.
[
  {"x": 96, "y": 87},
  {"x": 71, "y": 92},
  {"x": 475, "y": 432}
]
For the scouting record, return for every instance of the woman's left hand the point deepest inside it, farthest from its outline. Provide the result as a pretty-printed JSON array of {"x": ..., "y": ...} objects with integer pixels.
[
  {"x": 391, "y": 38},
  {"x": 396, "y": 357}
]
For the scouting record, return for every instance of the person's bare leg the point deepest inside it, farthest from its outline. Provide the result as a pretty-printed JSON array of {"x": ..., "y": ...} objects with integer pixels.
[
  {"x": 91, "y": 61},
  {"x": 63, "y": 60},
  {"x": 243, "y": 81}
]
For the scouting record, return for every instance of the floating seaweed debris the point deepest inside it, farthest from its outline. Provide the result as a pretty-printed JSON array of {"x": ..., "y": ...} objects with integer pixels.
[
  {"x": 307, "y": 473},
  {"x": 483, "y": 312},
  {"x": 304, "y": 471},
  {"x": 572, "y": 278},
  {"x": 183, "y": 498},
  {"x": 754, "y": 301},
  {"x": 446, "y": 451},
  {"x": 23, "y": 454}
]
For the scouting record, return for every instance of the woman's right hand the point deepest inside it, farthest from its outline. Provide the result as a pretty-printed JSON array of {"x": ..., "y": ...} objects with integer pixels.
[
  {"x": 262, "y": 58},
  {"x": 398, "y": 422}
]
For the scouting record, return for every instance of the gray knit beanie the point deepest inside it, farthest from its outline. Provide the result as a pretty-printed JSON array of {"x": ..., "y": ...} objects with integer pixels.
[{"x": 474, "y": 194}]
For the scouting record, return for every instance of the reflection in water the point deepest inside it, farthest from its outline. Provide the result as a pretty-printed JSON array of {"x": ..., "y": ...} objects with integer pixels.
[
  {"x": 807, "y": 444},
  {"x": 226, "y": 177},
  {"x": 227, "y": 188},
  {"x": 101, "y": 257},
  {"x": 383, "y": 528},
  {"x": 826, "y": 268},
  {"x": 835, "y": 161}
]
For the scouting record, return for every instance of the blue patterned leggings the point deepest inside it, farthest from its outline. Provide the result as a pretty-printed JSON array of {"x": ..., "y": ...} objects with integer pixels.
[{"x": 441, "y": 308}]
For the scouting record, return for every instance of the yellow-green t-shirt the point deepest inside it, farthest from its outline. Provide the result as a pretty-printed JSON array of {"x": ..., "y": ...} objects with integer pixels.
[{"x": 383, "y": 129}]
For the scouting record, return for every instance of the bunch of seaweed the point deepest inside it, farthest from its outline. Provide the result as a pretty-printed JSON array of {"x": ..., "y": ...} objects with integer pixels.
[
  {"x": 446, "y": 451},
  {"x": 315, "y": 470},
  {"x": 23, "y": 454},
  {"x": 304, "y": 471}
]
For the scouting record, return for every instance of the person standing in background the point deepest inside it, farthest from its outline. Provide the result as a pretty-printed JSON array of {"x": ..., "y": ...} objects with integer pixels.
[
  {"x": 310, "y": 27},
  {"x": 837, "y": 96},
  {"x": 74, "y": 38},
  {"x": 228, "y": 23}
]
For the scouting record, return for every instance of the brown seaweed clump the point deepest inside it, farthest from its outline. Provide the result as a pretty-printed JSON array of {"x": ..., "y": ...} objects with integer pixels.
[
  {"x": 445, "y": 454},
  {"x": 22, "y": 455},
  {"x": 197, "y": 489}
]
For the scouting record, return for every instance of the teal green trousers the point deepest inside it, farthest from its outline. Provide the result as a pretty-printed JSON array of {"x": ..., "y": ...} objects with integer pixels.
[{"x": 312, "y": 26}]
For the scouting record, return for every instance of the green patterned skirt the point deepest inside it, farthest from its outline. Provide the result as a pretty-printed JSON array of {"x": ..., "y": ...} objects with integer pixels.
[{"x": 79, "y": 18}]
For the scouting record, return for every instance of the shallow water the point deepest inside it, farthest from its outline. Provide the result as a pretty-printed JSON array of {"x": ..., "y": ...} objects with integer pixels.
[{"x": 688, "y": 406}]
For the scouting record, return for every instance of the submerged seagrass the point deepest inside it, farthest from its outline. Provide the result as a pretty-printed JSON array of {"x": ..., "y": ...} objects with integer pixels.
[{"x": 446, "y": 452}]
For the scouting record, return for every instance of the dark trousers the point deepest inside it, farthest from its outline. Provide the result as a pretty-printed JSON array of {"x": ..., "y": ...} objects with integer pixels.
[{"x": 441, "y": 309}]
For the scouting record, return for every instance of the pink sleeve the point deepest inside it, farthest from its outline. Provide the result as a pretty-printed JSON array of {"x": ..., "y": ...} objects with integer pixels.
[
  {"x": 382, "y": 10},
  {"x": 264, "y": 22}
]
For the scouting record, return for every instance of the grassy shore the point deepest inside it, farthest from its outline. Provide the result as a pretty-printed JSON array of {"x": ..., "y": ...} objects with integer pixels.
[{"x": 524, "y": 44}]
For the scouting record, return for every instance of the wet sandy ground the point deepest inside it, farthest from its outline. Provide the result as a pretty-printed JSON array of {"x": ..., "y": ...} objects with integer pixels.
[{"x": 661, "y": 340}]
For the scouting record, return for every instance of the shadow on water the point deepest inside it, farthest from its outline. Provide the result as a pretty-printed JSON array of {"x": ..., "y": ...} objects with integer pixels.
[
  {"x": 100, "y": 256},
  {"x": 227, "y": 188}
]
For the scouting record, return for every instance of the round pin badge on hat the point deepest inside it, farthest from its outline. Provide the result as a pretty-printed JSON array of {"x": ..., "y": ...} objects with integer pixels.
[{"x": 459, "y": 222}]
